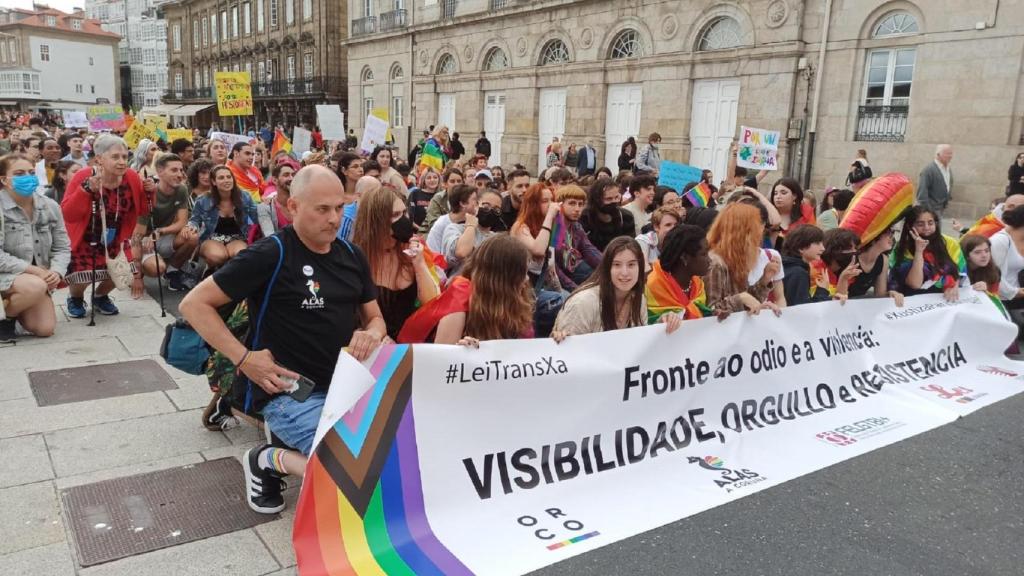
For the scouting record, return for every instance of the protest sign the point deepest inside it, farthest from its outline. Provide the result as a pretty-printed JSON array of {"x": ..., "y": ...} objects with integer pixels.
[
  {"x": 158, "y": 124},
  {"x": 75, "y": 119},
  {"x": 106, "y": 117},
  {"x": 301, "y": 140},
  {"x": 234, "y": 93},
  {"x": 374, "y": 133},
  {"x": 332, "y": 121},
  {"x": 552, "y": 450},
  {"x": 758, "y": 149},
  {"x": 177, "y": 133},
  {"x": 136, "y": 132},
  {"x": 676, "y": 175},
  {"x": 230, "y": 139},
  {"x": 384, "y": 115}
]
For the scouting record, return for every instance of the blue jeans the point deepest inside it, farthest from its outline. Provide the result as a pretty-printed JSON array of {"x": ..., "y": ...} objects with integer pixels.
[
  {"x": 581, "y": 273},
  {"x": 549, "y": 303},
  {"x": 295, "y": 422}
]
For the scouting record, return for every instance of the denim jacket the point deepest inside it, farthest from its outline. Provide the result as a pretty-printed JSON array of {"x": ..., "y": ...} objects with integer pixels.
[
  {"x": 44, "y": 239},
  {"x": 206, "y": 212}
]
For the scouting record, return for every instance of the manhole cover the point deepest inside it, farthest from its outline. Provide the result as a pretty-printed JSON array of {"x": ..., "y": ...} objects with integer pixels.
[
  {"x": 127, "y": 516},
  {"x": 98, "y": 381}
]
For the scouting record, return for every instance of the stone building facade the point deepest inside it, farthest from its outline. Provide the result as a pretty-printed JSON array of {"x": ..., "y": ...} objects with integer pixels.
[
  {"x": 293, "y": 50},
  {"x": 896, "y": 77}
]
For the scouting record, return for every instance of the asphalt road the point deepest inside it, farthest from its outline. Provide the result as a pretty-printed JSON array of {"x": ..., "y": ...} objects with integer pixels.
[{"x": 949, "y": 502}]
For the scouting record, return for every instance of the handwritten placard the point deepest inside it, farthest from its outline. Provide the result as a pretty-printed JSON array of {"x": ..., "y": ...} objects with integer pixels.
[
  {"x": 106, "y": 117},
  {"x": 758, "y": 149},
  {"x": 677, "y": 175},
  {"x": 374, "y": 134},
  {"x": 234, "y": 93},
  {"x": 332, "y": 121}
]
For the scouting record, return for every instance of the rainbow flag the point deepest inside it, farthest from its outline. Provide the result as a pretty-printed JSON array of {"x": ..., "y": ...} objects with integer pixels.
[
  {"x": 699, "y": 195},
  {"x": 361, "y": 509},
  {"x": 559, "y": 231},
  {"x": 281, "y": 144},
  {"x": 432, "y": 156},
  {"x": 665, "y": 295},
  {"x": 250, "y": 181},
  {"x": 988, "y": 226},
  {"x": 940, "y": 280}
]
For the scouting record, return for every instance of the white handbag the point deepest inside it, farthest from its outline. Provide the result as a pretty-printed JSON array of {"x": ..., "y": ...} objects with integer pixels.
[{"x": 118, "y": 267}]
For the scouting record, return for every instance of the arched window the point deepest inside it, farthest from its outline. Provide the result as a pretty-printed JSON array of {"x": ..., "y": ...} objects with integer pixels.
[
  {"x": 721, "y": 33},
  {"x": 495, "y": 59},
  {"x": 367, "y": 75},
  {"x": 397, "y": 73},
  {"x": 446, "y": 65},
  {"x": 895, "y": 24},
  {"x": 554, "y": 52},
  {"x": 625, "y": 45}
]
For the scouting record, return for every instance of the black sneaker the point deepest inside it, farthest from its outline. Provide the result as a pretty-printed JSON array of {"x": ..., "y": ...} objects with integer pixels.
[
  {"x": 7, "y": 331},
  {"x": 175, "y": 282},
  {"x": 262, "y": 487}
]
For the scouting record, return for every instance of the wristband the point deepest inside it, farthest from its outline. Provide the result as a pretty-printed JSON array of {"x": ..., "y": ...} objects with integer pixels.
[
  {"x": 548, "y": 228},
  {"x": 244, "y": 358}
]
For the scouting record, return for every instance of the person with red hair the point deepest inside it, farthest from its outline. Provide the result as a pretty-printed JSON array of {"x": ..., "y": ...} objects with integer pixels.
[
  {"x": 742, "y": 275},
  {"x": 533, "y": 229}
]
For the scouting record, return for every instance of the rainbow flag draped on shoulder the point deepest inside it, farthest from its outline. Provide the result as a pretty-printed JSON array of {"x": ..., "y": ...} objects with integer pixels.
[{"x": 665, "y": 295}]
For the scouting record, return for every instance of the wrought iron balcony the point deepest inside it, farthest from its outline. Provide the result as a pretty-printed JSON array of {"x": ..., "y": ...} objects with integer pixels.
[
  {"x": 881, "y": 123},
  {"x": 189, "y": 94},
  {"x": 498, "y": 4},
  {"x": 315, "y": 86},
  {"x": 366, "y": 25},
  {"x": 448, "y": 8},
  {"x": 394, "y": 20}
]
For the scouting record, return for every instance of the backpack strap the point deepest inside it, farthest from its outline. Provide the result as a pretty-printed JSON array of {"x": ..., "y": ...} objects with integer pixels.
[{"x": 262, "y": 312}]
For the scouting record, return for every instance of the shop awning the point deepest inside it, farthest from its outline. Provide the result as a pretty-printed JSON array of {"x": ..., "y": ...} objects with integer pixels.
[
  {"x": 161, "y": 110},
  {"x": 189, "y": 109}
]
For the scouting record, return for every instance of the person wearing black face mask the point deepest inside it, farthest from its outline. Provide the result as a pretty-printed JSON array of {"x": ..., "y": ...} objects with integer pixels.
[
  {"x": 604, "y": 219},
  {"x": 854, "y": 271},
  {"x": 467, "y": 231},
  {"x": 400, "y": 265}
]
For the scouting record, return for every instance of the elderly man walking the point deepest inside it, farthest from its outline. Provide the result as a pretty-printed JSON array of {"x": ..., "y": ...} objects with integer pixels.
[{"x": 935, "y": 185}]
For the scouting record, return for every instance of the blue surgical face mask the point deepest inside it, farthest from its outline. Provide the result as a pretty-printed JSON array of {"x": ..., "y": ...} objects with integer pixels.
[{"x": 25, "y": 185}]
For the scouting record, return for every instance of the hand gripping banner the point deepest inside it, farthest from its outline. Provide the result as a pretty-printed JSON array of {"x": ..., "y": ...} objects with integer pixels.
[{"x": 507, "y": 458}]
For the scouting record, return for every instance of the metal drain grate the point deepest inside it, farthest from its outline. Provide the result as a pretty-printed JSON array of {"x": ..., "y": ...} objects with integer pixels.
[{"x": 66, "y": 385}]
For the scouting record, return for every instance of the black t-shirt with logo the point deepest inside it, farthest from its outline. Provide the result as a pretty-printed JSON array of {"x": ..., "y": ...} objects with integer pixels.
[{"x": 314, "y": 303}]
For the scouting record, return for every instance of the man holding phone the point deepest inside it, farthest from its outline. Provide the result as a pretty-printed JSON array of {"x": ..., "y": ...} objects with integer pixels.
[{"x": 323, "y": 299}]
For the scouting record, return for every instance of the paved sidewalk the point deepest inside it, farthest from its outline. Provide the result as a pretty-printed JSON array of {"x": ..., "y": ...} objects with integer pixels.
[{"x": 48, "y": 449}]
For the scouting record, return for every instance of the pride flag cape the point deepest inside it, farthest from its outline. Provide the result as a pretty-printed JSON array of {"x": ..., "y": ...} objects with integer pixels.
[
  {"x": 699, "y": 195},
  {"x": 281, "y": 144},
  {"x": 664, "y": 295},
  {"x": 942, "y": 281},
  {"x": 361, "y": 509},
  {"x": 455, "y": 298},
  {"x": 250, "y": 182},
  {"x": 432, "y": 156},
  {"x": 987, "y": 226}
]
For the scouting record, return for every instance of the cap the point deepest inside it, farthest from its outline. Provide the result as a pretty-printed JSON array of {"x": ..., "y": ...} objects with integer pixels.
[{"x": 485, "y": 173}]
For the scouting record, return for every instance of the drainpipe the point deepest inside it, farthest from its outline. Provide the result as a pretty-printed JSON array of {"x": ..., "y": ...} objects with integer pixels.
[{"x": 813, "y": 132}]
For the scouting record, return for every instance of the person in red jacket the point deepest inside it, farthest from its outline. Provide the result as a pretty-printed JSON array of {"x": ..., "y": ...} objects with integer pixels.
[{"x": 116, "y": 189}]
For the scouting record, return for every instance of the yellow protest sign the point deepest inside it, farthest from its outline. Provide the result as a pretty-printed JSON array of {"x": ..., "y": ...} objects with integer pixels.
[
  {"x": 158, "y": 124},
  {"x": 234, "y": 93},
  {"x": 178, "y": 133},
  {"x": 137, "y": 132}
]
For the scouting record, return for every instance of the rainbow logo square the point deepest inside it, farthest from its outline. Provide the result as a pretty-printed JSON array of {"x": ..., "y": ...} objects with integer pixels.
[{"x": 570, "y": 541}]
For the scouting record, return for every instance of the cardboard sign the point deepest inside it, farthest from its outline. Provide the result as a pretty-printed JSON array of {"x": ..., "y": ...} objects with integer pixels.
[
  {"x": 75, "y": 119},
  {"x": 106, "y": 117},
  {"x": 332, "y": 121},
  {"x": 234, "y": 93},
  {"x": 676, "y": 175},
  {"x": 758, "y": 149},
  {"x": 137, "y": 132},
  {"x": 230, "y": 139},
  {"x": 301, "y": 140},
  {"x": 178, "y": 133}
]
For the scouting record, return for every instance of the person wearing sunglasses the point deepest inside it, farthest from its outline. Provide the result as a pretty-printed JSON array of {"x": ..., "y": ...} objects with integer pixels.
[{"x": 855, "y": 270}]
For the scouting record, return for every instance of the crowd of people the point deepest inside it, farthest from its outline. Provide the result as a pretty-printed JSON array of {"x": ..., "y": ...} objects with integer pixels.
[{"x": 342, "y": 248}]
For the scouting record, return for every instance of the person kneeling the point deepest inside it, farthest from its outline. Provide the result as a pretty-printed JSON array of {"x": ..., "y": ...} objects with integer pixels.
[
  {"x": 317, "y": 298},
  {"x": 167, "y": 244}
]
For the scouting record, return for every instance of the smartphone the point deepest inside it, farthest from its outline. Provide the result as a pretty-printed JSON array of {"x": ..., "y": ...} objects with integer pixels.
[{"x": 298, "y": 388}]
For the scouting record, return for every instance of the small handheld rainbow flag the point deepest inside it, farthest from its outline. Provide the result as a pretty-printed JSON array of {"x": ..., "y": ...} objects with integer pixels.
[
  {"x": 699, "y": 195},
  {"x": 281, "y": 143}
]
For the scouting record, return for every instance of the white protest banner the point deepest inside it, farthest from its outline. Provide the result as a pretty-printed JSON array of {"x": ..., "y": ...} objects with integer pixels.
[
  {"x": 332, "y": 121},
  {"x": 554, "y": 450},
  {"x": 75, "y": 119},
  {"x": 230, "y": 139},
  {"x": 374, "y": 134},
  {"x": 302, "y": 139},
  {"x": 758, "y": 149}
]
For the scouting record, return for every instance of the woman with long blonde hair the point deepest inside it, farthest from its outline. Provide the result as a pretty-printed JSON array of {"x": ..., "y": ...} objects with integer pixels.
[
  {"x": 742, "y": 274},
  {"x": 386, "y": 235},
  {"x": 491, "y": 300}
]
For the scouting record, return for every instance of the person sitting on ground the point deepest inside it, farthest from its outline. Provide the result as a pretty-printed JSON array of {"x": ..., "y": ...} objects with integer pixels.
[
  {"x": 248, "y": 177},
  {"x": 806, "y": 279},
  {"x": 604, "y": 219},
  {"x": 925, "y": 260},
  {"x": 218, "y": 152},
  {"x": 612, "y": 299},
  {"x": 831, "y": 218},
  {"x": 403, "y": 273},
  {"x": 118, "y": 190},
  {"x": 743, "y": 275},
  {"x": 439, "y": 207},
  {"x": 855, "y": 267},
  {"x": 982, "y": 270},
  {"x": 668, "y": 197},
  {"x": 575, "y": 257},
  {"x": 1008, "y": 253},
  {"x": 62, "y": 174},
  {"x": 273, "y": 214},
  {"x": 143, "y": 157},
  {"x": 641, "y": 206},
  {"x": 534, "y": 229},
  {"x": 199, "y": 183},
  {"x": 167, "y": 245},
  {"x": 664, "y": 220},
  {"x": 303, "y": 340},
  {"x": 684, "y": 262},
  {"x": 518, "y": 182},
  {"x": 222, "y": 218},
  {"x": 473, "y": 216},
  {"x": 34, "y": 251},
  {"x": 490, "y": 299}
]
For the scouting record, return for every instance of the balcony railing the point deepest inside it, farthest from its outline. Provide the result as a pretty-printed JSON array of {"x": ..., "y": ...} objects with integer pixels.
[
  {"x": 366, "y": 25},
  {"x": 298, "y": 87},
  {"x": 394, "y": 20},
  {"x": 448, "y": 8},
  {"x": 498, "y": 4},
  {"x": 881, "y": 123}
]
